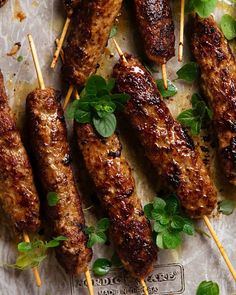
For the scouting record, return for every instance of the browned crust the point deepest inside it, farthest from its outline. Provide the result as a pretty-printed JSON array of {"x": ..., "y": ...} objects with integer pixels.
[
  {"x": 48, "y": 137},
  {"x": 166, "y": 144},
  {"x": 157, "y": 29},
  {"x": 18, "y": 195},
  {"x": 71, "y": 6},
  {"x": 218, "y": 82},
  {"x": 130, "y": 231},
  {"x": 91, "y": 26}
]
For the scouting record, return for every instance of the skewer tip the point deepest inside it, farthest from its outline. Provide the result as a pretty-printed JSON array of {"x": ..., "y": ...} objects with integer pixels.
[
  {"x": 180, "y": 53},
  {"x": 164, "y": 76},
  {"x": 145, "y": 289},
  {"x": 120, "y": 52}
]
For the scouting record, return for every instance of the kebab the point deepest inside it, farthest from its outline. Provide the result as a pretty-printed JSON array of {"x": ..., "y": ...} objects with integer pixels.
[
  {"x": 167, "y": 145},
  {"x": 48, "y": 139},
  {"x": 156, "y": 26},
  {"x": 18, "y": 195},
  {"x": 87, "y": 40},
  {"x": 218, "y": 83},
  {"x": 70, "y": 7}
]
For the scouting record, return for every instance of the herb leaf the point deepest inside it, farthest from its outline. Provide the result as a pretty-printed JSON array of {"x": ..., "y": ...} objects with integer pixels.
[
  {"x": 167, "y": 223},
  {"x": 189, "y": 72},
  {"x": 113, "y": 32},
  {"x": 208, "y": 288},
  {"x": 101, "y": 266},
  {"x": 97, "y": 105},
  {"x": 52, "y": 199},
  {"x": 226, "y": 207},
  {"x": 97, "y": 235},
  {"x": 195, "y": 118},
  {"x": 171, "y": 88},
  {"x": 228, "y": 26},
  {"x": 33, "y": 253},
  {"x": 202, "y": 7}
]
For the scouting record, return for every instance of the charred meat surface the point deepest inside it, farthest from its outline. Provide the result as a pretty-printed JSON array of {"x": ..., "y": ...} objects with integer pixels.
[
  {"x": 91, "y": 26},
  {"x": 2, "y": 2},
  {"x": 71, "y": 5},
  {"x": 218, "y": 82},
  {"x": 18, "y": 195},
  {"x": 48, "y": 138},
  {"x": 166, "y": 144},
  {"x": 130, "y": 231},
  {"x": 156, "y": 26}
]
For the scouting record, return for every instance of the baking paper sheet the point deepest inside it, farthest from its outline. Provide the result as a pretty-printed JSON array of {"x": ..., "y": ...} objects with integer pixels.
[{"x": 178, "y": 271}]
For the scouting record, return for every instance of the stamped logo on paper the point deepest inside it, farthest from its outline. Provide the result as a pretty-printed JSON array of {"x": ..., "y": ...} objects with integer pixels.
[{"x": 165, "y": 280}]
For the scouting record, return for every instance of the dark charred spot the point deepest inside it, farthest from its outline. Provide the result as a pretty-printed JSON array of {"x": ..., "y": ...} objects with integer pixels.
[
  {"x": 67, "y": 159},
  {"x": 204, "y": 149},
  {"x": 114, "y": 154},
  {"x": 229, "y": 153},
  {"x": 173, "y": 176}
]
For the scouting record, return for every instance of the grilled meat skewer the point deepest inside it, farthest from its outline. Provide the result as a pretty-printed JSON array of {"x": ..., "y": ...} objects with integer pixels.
[
  {"x": 88, "y": 37},
  {"x": 218, "y": 82},
  {"x": 156, "y": 26},
  {"x": 71, "y": 6},
  {"x": 48, "y": 137},
  {"x": 18, "y": 195},
  {"x": 166, "y": 144},
  {"x": 130, "y": 231}
]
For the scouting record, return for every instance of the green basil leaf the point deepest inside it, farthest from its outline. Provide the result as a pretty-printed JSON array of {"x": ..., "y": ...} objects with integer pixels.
[
  {"x": 103, "y": 224},
  {"x": 94, "y": 84},
  {"x": 115, "y": 260},
  {"x": 159, "y": 204},
  {"x": 204, "y": 8},
  {"x": 111, "y": 84},
  {"x": 60, "y": 238},
  {"x": 148, "y": 210},
  {"x": 52, "y": 244},
  {"x": 70, "y": 111},
  {"x": 101, "y": 266},
  {"x": 208, "y": 288},
  {"x": 226, "y": 207},
  {"x": 228, "y": 26},
  {"x": 52, "y": 199},
  {"x": 158, "y": 228},
  {"x": 24, "y": 246},
  {"x": 171, "y": 240},
  {"x": 170, "y": 91},
  {"x": 105, "y": 126},
  {"x": 172, "y": 205},
  {"x": 189, "y": 72},
  {"x": 82, "y": 116},
  {"x": 159, "y": 241},
  {"x": 113, "y": 31},
  {"x": 177, "y": 222}
]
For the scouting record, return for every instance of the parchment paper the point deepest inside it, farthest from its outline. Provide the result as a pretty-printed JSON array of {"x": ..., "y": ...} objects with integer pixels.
[{"x": 178, "y": 271}]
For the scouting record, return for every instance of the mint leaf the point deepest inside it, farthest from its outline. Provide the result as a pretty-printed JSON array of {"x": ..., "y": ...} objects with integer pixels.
[
  {"x": 158, "y": 228},
  {"x": 189, "y": 72},
  {"x": 70, "y": 111},
  {"x": 105, "y": 126},
  {"x": 159, "y": 241},
  {"x": 82, "y": 116},
  {"x": 159, "y": 204},
  {"x": 228, "y": 26},
  {"x": 204, "y": 7},
  {"x": 24, "y": 246},
  {"x": 148, "y": 210},
  {"x": 171, "y": 240},
  {"x": 177, "y": 222},
  {"x": 172, "y": 204},
  {"x": 208, "y": 288},
  {"x": 171, "y": 88},
  {"x": 111, "y": 84},
  {"x": 101, "y": 266},
  {"x": 103, "y": 224},
  {"x": 226, "y": 207},
  {"x": 94, "y": 84},
  {"x": 52, "y": 199}
]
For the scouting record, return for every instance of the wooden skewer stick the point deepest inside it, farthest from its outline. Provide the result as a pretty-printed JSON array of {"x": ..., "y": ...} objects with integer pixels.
[
  {"x": 36, "y": 62},
  {"x": 220, "y": 246},
  {"x": 164, "y": 76},
  {"x": 34, "y": 269},
  {"x": 181, "y": 31},
  {"x": 68, "y": 96},
  {"x": 42, "y": 86},
  {"x": 60, "y": 44},
  {"x": 145, "y": 289},
  {"x": 209, "y": 226},
  {"x": 62, "y": 55}
]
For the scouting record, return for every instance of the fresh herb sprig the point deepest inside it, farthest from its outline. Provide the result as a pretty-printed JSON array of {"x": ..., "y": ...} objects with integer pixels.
[
  {"x": 33, "y": 253},
  {"x": 226, "y": 207},
  {"x": 197, "y": 116},
  {"x": 202, "y": 7},
  {"x": 228, "y": 26},
  {"x": 208, "y": 288},
  {"x": 189, "y": 72},
  {"x": 102, "y": 266},
  {"x": 97, "y": 234},
  {"x": 167, "y": 222},
  {"x": 171, "y": 88},
  {"x": 97, "y": 105}
]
